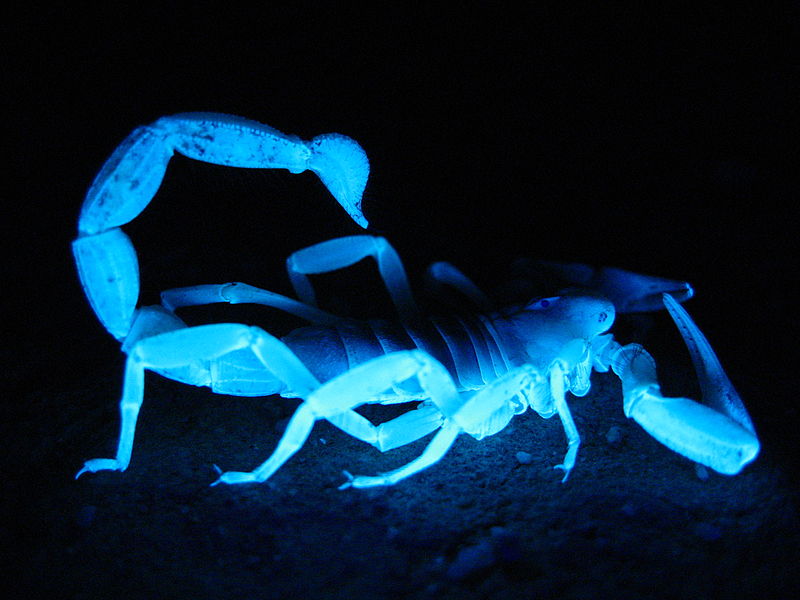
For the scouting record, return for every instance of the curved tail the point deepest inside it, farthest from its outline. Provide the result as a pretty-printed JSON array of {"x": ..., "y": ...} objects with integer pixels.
[{"x": 106, "y": 260}]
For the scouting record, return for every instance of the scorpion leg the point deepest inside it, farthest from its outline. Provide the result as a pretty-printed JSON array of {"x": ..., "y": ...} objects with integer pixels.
[
  {"x": 387, "y": 436},
  {"x": 432, "y": 454},
  {"x": 402, "y": 430},
  {"x": 182, "y": 348},
  {"x": 439, "y": 386},
  {"x": 241, "y": 293},
  {"x": 335, "y": 401},
  {"x": 342, "y": 252},
  {"x": 397, "y": 432},
  {"x": 480, "y": 415},
  {"x": 443, "y": 273},
  {"x": 557, "y": 390},
  {"x": 629, "y": 291}
]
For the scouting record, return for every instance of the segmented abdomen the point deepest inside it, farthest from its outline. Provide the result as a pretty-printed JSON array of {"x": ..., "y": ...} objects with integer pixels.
[{"x": 466, "y": 346}]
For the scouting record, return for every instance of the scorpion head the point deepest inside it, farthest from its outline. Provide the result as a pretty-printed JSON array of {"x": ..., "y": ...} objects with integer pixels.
[{"x": 545, "y": 325}]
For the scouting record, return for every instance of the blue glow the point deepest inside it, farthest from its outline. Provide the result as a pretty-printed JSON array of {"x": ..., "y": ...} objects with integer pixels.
[{"x": 468, "y": 375}]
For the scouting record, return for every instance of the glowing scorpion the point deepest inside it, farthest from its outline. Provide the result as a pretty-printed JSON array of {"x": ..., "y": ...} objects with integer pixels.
[{"x": 468, "y": 373}]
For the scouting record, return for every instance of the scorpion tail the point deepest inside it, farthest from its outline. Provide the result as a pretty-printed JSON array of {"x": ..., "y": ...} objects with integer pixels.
[{"x": 343, "y": 167}]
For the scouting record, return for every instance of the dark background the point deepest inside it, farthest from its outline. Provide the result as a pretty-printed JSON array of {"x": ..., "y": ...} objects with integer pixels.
[{"x": 661, "y": 143}]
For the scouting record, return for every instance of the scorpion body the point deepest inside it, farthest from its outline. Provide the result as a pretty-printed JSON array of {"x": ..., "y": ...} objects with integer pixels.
[
  {"x": 464, "y": 345},
  {"x": 476, "y": 349},
  {"x": 468, "y": 373}
]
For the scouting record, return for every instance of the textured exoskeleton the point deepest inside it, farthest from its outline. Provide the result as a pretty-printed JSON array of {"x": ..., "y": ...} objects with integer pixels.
[{"x": 469, "y": 373}]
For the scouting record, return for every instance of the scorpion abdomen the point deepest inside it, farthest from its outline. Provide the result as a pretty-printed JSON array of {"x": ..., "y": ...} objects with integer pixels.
[
  {"x": 329, "y": 351},
  {"x": 464, "y": 345}
]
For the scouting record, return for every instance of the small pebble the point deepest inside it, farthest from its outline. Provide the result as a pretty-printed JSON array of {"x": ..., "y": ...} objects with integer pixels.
[
  {"x": 701, "y": 471},
  {"x": 471, "y": 560},
  {"x": 614, "y": 435},
  {"x": 524, "y": 458}
]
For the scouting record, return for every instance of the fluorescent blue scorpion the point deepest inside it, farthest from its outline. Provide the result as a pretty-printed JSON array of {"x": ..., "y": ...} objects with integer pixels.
[{"x": 466, "y": 374}]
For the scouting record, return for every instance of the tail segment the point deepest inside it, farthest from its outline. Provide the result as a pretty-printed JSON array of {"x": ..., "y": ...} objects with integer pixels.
[{"x": 343, "y": 167}]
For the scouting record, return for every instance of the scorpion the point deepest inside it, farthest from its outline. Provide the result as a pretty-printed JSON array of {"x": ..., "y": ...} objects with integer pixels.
[{"x": 468, "y": 373}]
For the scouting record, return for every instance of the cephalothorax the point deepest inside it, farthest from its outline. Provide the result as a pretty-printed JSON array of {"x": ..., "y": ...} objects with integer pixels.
[{"x": 469, "y": 373}]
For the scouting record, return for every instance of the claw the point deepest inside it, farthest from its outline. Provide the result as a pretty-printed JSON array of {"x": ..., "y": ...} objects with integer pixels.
[
  {"x": 634, "y": 292},
  {"x": 696, "y": 431},
  {"x": 715, "y": 387},
  {"x": 719, "y": 435},
  {"x": 629, "y": 291}
]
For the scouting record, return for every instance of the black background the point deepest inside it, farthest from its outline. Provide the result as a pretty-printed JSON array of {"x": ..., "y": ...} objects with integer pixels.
[{"x": 657, "y": 142}]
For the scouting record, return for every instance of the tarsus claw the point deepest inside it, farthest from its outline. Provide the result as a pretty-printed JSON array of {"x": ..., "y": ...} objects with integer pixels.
[
  {"x": 99, "y": 464},
  {"x": 231, "y": 477},
  {"x": 349, "y": 482},
  {"x": 566, "y": 470},
  {"x": 218, "y": 479}
]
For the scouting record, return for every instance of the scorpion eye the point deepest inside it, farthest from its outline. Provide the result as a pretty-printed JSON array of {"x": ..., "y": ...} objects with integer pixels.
[{"x": 542, "y": 303}]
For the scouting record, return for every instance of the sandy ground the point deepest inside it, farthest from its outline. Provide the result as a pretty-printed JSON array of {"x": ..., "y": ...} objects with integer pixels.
[{"x": 634, "y": 520}]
